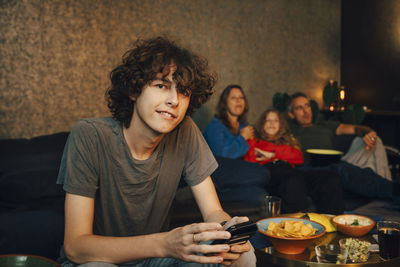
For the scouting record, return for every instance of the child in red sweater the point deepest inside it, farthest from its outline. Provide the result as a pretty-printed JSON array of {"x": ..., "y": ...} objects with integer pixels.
[
  {"x": 275, "y": 142},
  {"x": 277, "y": 150}
]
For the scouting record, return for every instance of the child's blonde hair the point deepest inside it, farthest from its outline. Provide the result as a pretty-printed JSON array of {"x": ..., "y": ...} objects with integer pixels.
[{"x": 282, "y": 137}]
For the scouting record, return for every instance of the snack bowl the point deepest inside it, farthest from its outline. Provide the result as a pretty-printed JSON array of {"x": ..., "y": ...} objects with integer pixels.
[
  {"x": 353, "y": 225},
  {"x": 323, "y": 157},
  {"x": 11, "y": 260},
  {"x": 290, "y": 245},
  {"x": 358, "y": 250}
]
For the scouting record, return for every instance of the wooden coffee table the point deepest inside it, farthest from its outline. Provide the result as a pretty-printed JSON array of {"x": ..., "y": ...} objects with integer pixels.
[{"x": 269, "y": 257}]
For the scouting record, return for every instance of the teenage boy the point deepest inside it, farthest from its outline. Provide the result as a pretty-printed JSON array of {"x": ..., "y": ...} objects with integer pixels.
[{"x": 121, "y": 173}]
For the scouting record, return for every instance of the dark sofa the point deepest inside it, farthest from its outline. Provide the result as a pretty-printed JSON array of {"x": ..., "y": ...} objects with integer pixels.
[{"x": 32, "y": 204}]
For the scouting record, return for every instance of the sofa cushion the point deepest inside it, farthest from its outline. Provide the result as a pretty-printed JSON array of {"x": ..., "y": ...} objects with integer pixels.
[
  {"x": 32, "y": 232},
  {"x": 41, "y": 152},
  {"x": 28, "y": 172},
  {"x": 31, "y": 189}
]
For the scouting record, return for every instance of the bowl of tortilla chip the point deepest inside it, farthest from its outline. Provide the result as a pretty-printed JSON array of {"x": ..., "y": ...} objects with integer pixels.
[
  {"x": 323, "y": 157},
  {"x": 290, "y": 235}
]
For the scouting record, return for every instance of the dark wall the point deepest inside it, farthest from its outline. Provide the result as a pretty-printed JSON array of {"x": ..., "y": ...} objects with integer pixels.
[{"x": 370, "y": 60}]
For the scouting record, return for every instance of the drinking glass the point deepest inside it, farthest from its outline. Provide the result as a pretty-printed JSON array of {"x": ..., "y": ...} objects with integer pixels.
[
  {"x": 331, "y": 253},
  {"x": 388, "y": 239},
  {"x": 271, "y": 206}
]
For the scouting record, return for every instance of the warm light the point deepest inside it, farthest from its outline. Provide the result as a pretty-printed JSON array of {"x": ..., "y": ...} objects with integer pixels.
[
  {"x": 331, "y": 108},
  {"x": 342, "y": 93}
]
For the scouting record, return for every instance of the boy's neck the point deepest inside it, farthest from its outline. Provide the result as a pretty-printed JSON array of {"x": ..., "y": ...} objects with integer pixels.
[{"x": 141, "y": 140}]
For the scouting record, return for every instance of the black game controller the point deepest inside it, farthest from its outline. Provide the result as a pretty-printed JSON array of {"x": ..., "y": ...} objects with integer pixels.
[{"x": 240, "y": 234}]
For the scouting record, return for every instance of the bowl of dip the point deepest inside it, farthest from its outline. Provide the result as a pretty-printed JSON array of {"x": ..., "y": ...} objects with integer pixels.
[{"x": 353, "y": 225}]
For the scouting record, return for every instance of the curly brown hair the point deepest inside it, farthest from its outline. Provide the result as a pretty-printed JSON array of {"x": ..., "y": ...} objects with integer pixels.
[
  {"x": 282, "y": 137},
  {"x": 143, "y": 62},
  {"x": 222, "y": 107}
]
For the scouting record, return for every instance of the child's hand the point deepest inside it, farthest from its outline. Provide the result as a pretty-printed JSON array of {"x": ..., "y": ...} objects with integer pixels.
[{"x": 262, "y": 155}]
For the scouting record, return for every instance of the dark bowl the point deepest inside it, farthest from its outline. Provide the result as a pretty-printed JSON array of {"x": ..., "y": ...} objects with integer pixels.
[
  {"x": 323, "y": 157},
  {"x": 13, "y": 260}
]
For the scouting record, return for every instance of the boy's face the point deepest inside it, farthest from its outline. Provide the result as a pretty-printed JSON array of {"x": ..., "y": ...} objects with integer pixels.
[
  {"x": 160, "y": 107},
  {"x": 301, "y": 111}
]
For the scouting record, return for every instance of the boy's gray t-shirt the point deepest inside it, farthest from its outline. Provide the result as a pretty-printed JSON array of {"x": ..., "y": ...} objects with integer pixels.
[{"x": 132, "y": 197}]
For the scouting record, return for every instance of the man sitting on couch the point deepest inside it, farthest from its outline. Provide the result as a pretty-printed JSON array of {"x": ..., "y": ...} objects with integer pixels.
[
  {"x": 362, "y": 181},
  {"x": 121, "y": 174}
]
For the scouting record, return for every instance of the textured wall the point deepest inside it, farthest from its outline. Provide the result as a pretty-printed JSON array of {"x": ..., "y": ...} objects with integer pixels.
[{"x": 55, "y": 56}]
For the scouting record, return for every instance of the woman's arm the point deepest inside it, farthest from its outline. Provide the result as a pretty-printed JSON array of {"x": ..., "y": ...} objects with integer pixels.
[{"x": 223, "y": 143}]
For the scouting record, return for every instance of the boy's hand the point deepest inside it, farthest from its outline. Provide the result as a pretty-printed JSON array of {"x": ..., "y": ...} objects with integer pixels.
[
  {"x": 234, "y": 254},
  {"x": 235, "y": 250},
  {"x": 183, "y": 243}
]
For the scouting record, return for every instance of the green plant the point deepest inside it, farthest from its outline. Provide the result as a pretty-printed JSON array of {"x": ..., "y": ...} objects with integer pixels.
[
  {"x": 280, "y": 101},
  {"x": 314, "y": 110},
  {"x": 330, "y": 93},
  {"x": 353, "y": 114}
]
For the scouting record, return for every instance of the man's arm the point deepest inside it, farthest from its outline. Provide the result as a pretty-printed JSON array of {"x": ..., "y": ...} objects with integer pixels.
[
  {"x": 367, "y": 134},
  {"x": 82, "y": 246}
]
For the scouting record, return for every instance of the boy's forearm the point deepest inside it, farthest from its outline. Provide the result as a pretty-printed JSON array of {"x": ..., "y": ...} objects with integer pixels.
[
  {"x": 218, "y": 216},
  {"x": 115, "y": 249}
]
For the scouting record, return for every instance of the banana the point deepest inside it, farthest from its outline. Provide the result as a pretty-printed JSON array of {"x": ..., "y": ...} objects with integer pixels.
[
  {"x": 325, "y": 220},
  {"x": 322, "y": 219}
]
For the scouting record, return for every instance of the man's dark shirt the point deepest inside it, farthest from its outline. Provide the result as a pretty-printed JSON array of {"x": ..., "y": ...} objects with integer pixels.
[{"x": 319, "y": 135}]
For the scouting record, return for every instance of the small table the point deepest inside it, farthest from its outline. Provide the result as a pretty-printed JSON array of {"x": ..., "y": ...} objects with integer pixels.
[{"x": 269, "y": 257}]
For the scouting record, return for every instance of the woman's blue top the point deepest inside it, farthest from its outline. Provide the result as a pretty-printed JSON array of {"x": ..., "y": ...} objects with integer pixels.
[{"x": 222, "y": 142}]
